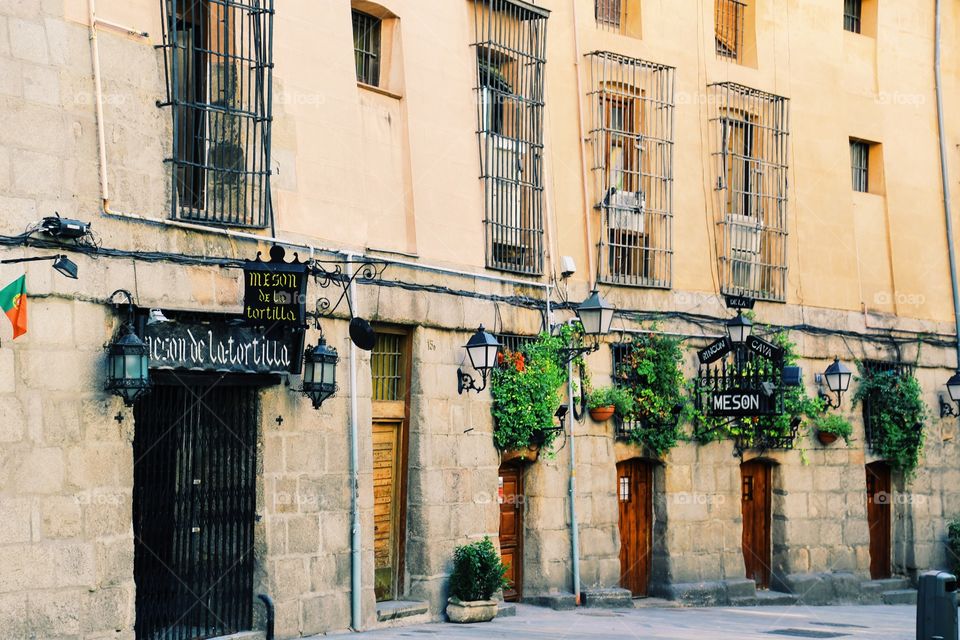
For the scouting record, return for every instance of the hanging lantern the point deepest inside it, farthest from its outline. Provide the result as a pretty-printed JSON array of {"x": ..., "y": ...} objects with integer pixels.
[
  {"x": 738, "y": 328},
  {"x": 128, "y": 361},
  {"x": 320, "y": 372},
  {"x": 595, "y": 315}
]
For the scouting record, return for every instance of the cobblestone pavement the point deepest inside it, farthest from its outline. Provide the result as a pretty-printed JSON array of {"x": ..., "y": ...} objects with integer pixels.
[{"x": 742, "y": 623}]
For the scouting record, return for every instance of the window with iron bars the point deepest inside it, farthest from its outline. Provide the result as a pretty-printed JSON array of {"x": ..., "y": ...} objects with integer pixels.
[
  {"x": 219, "y": 67},
  {"x": 631, "y": 136},
  {"x": 750, "y": 132},
  {"x": 513, "y": 343},
  {"x": 511, "y": 53},
  {"x": 860, "y": 165},
  {"x": 898, "y": 369},
  {"x": 366, "y": 47},
  {"x": 619, "y": 352},
  {"x": 728, "y": 26},
  {"x": 609, "y": 13},
  {"x": 852, "y": 15}
]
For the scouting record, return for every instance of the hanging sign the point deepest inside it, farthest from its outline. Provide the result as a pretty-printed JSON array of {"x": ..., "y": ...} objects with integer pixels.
[
  {"x": 714, "y": 351},
  {"x": 222, "y": 347},
  {"x": 741, "y": 403},
  {"x": 739, "y": 302},
  {"x": 765, "y": 349},
  {"x": 274, "y": 292}
]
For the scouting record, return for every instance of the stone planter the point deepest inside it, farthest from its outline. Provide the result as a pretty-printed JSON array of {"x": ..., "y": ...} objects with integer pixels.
[
  {"x": 529, "y": 454},
  {"x": 826, "y": 437},
  {"x": 602, "y": 414},
  {"x": 473, "y": 611}
]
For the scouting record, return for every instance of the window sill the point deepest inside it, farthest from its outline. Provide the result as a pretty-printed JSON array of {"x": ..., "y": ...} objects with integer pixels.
[{"x": 380, "y": 90}]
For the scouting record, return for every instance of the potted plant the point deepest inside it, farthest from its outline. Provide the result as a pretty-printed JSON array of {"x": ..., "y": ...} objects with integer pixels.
[
  {"x": 833, "y": 426},
  {"x": 478, "y": 573},
  {"x": 606, "y": 401}
]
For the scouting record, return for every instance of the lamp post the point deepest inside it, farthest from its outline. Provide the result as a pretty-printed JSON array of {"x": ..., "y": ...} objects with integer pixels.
[
  {"x": 953, "y": 388},
  {"x": 837, "y": 377},
  {"x": 128, "y": 360},
  {"x": 482, "y": 349},
  {"x": 319, "y": 372}
]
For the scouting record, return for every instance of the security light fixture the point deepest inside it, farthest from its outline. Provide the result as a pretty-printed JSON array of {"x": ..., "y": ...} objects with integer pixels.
[
  {"x": 128, "y": 360},
  {"x": 738, "y": 329},
  {"x": 61, "y": 263},
  {"x": 482, "y": 349},
  {"x": 837, "y": 377},
  {"x": 320, "y": 372}
]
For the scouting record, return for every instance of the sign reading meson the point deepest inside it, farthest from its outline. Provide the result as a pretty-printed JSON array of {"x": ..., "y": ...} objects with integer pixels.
[
  {"x": 741, "y": 403},
  {"x": 218, "y": 347},
  {"x": 274, "y": 291}
]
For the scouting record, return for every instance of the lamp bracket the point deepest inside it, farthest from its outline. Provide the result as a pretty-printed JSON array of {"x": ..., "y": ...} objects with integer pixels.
[
  {"x": 327, "y": 273},
  {"x": 947, "y": 410},
  {"x": 128, "y": 302},
  {"x": 466, "y": 382},
  {"x": 828, "y": 401}
]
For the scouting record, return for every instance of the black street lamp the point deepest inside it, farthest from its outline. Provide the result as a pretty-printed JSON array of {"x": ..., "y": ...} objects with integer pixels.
[
  {"x": 595, "y": 315},
  {"x": 128, "y": 361},
  {"x": 953, "y": 388},
  {"x": 320, "y": 372},
  {"x": 738, "y": 329},
  {"x": 482, "y": 349},
  {"x": 837, "y": 377}
]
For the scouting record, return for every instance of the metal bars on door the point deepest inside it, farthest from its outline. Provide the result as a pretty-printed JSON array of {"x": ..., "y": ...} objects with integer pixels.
[
  {"x": 750, "y": 132},
  {"x": 631, "y": 134}
]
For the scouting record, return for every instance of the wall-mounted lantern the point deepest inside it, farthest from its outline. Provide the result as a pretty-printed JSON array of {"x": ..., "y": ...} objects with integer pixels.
[
  {"x": 738, "y": 328},
  {"x": 482, "y": 349},
  {"x": 953, "y": 388},
  {"x": 128, "y": 361},
  {"x": 595, "y": 315},
  {"x": 837, "y": 377},
  {"x": 320, "y": 372}
]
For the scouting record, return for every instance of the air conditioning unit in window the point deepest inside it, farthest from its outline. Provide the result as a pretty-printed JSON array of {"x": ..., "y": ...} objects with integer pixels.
[
  {"x": 744, "y": 233},
  {"x": 625, "y": 210}
]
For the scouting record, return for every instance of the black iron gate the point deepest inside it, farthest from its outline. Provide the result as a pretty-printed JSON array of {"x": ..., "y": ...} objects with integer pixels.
[{"x": 194, "y": 501}]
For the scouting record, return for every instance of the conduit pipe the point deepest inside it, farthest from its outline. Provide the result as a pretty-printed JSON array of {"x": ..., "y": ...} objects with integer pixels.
[
  {"x": 945, "y": 175},
  {"x": 356, "y": 566},
  {"x": 585, "y": 174}
]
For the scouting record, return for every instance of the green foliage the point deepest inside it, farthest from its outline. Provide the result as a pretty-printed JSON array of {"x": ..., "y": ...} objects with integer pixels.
[
  {"x": 525, "y": 389},
  {"x": 652, "y": 373},
  {"x": 478, "y": 572},
  {"x": 835, "y": 424},
  {"x": 953, "y": 545},
  {"x": 797, "y": 405},
  {"x": 616, "y": 397},
  {"x": 897, "y": 416}
]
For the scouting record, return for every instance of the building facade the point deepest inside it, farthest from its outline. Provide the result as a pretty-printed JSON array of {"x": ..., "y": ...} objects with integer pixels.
[{"x": 491, "y": 162}]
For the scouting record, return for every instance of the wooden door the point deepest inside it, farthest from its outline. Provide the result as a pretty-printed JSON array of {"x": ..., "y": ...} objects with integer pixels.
[
  {"x": 511, "y": 499},
  {"x": 755, "y": 507},
  {"x": 389, "y": 366},
  {"x": 878, "y": 518},
  {"x": 635, "y": 496}
]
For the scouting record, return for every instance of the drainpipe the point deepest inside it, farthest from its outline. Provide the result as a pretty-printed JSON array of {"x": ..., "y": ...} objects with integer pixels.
[
  {"x": 582, "y": 132},
  {"x": 356, "y": 619},
  {"x": 574, "y": 526},
  {"x": 98, "y": 104},
  {"x": 945, "y": 178}
]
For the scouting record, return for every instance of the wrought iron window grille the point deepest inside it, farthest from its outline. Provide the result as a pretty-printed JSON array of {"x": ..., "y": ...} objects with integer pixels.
[
  {"x": 631, "y": 136},
  {"x": 728, "y": 23},
  {"x": 366, "y": 47},
  {"x": 218, "y": 58},
  {"x": 623, "y": 429},
  {"x": 852, "y": 15},
  {"x": 898, "y": 369},
  {"x": 860, "y": 165},
  {"x": 610, "y": 14},
  {"x": 510, "y": 42},
  {"x": 750, "y": 147}
]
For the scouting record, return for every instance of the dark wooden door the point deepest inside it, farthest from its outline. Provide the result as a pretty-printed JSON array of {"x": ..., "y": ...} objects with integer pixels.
[
  {"x": 635, "y": 495},
  {"x": 510, "y": 497},
  {"x": 878, "y": 518},
  {"x": 755, "y": 507}
]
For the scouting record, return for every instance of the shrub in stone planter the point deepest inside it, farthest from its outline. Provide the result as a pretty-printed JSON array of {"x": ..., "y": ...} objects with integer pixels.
[{"x": 478, "y": 573}]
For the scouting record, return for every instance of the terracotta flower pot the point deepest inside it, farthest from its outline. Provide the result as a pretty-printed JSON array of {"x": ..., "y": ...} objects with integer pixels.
[
  {"x": 602, "y": 414},
  {"x": 530, "y": 453},
  {"x": 473, "y": 611},
  {"x": 825, "y": 437}
]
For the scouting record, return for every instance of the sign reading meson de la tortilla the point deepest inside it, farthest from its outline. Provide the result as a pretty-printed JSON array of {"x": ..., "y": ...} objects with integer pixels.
[
  {"x": 218, "y": 346},
  {"x": 274, "y": 292}
]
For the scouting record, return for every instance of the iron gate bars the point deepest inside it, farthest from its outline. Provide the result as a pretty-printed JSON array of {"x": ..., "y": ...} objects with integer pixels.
[
  {"x": 219, "y": 69},
  {"x": 194, "y": 505},
  {"x": 631, "y": 103},
  {"x": 511, "y": 53},
  {"x": 750, "y": 146}
]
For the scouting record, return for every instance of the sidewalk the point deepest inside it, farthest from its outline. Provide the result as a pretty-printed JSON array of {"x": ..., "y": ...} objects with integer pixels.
[{"x": 881, "y": 622}]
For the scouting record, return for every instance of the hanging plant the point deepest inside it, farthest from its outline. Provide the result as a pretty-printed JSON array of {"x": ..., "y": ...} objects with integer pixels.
[
  {"x": 651, "y": 371},
  {"x": 526, "y": 392},
  {"x": 831, "y": 426},
  {"x": 897, "y": 416},
  {"x": 766, "y": 432},
  {"x": 607, "y": 401}
]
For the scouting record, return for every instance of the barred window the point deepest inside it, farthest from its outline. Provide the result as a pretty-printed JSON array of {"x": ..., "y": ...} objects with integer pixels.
[
  {"x": 728, "y": 24},
  {"x": 511, "y": 53},
  {"x": 860, "y": 165},
  {"x": 852, "y": 15},
  {"x": 750, "y": 131},
  {"x": 632, "y": 139},
  {"x": 388, "y": 366},
  {"x": 366, "y": 47},
  {"x": 609, "y": 13},
  {"x": 514, "y": 342},
  {"x": 219, "y": 63},
  {"x": 621, "y": 377},
  {"x": 897, "y": 369}
]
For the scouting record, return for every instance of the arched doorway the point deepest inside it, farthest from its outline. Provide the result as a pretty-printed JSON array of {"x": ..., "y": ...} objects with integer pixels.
[
  {"x": 635, "y": 498},
  {"x": 755, "y": 498},
  {"x": 511, "y": 498},
  {"x": 879, "y": 518}
]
